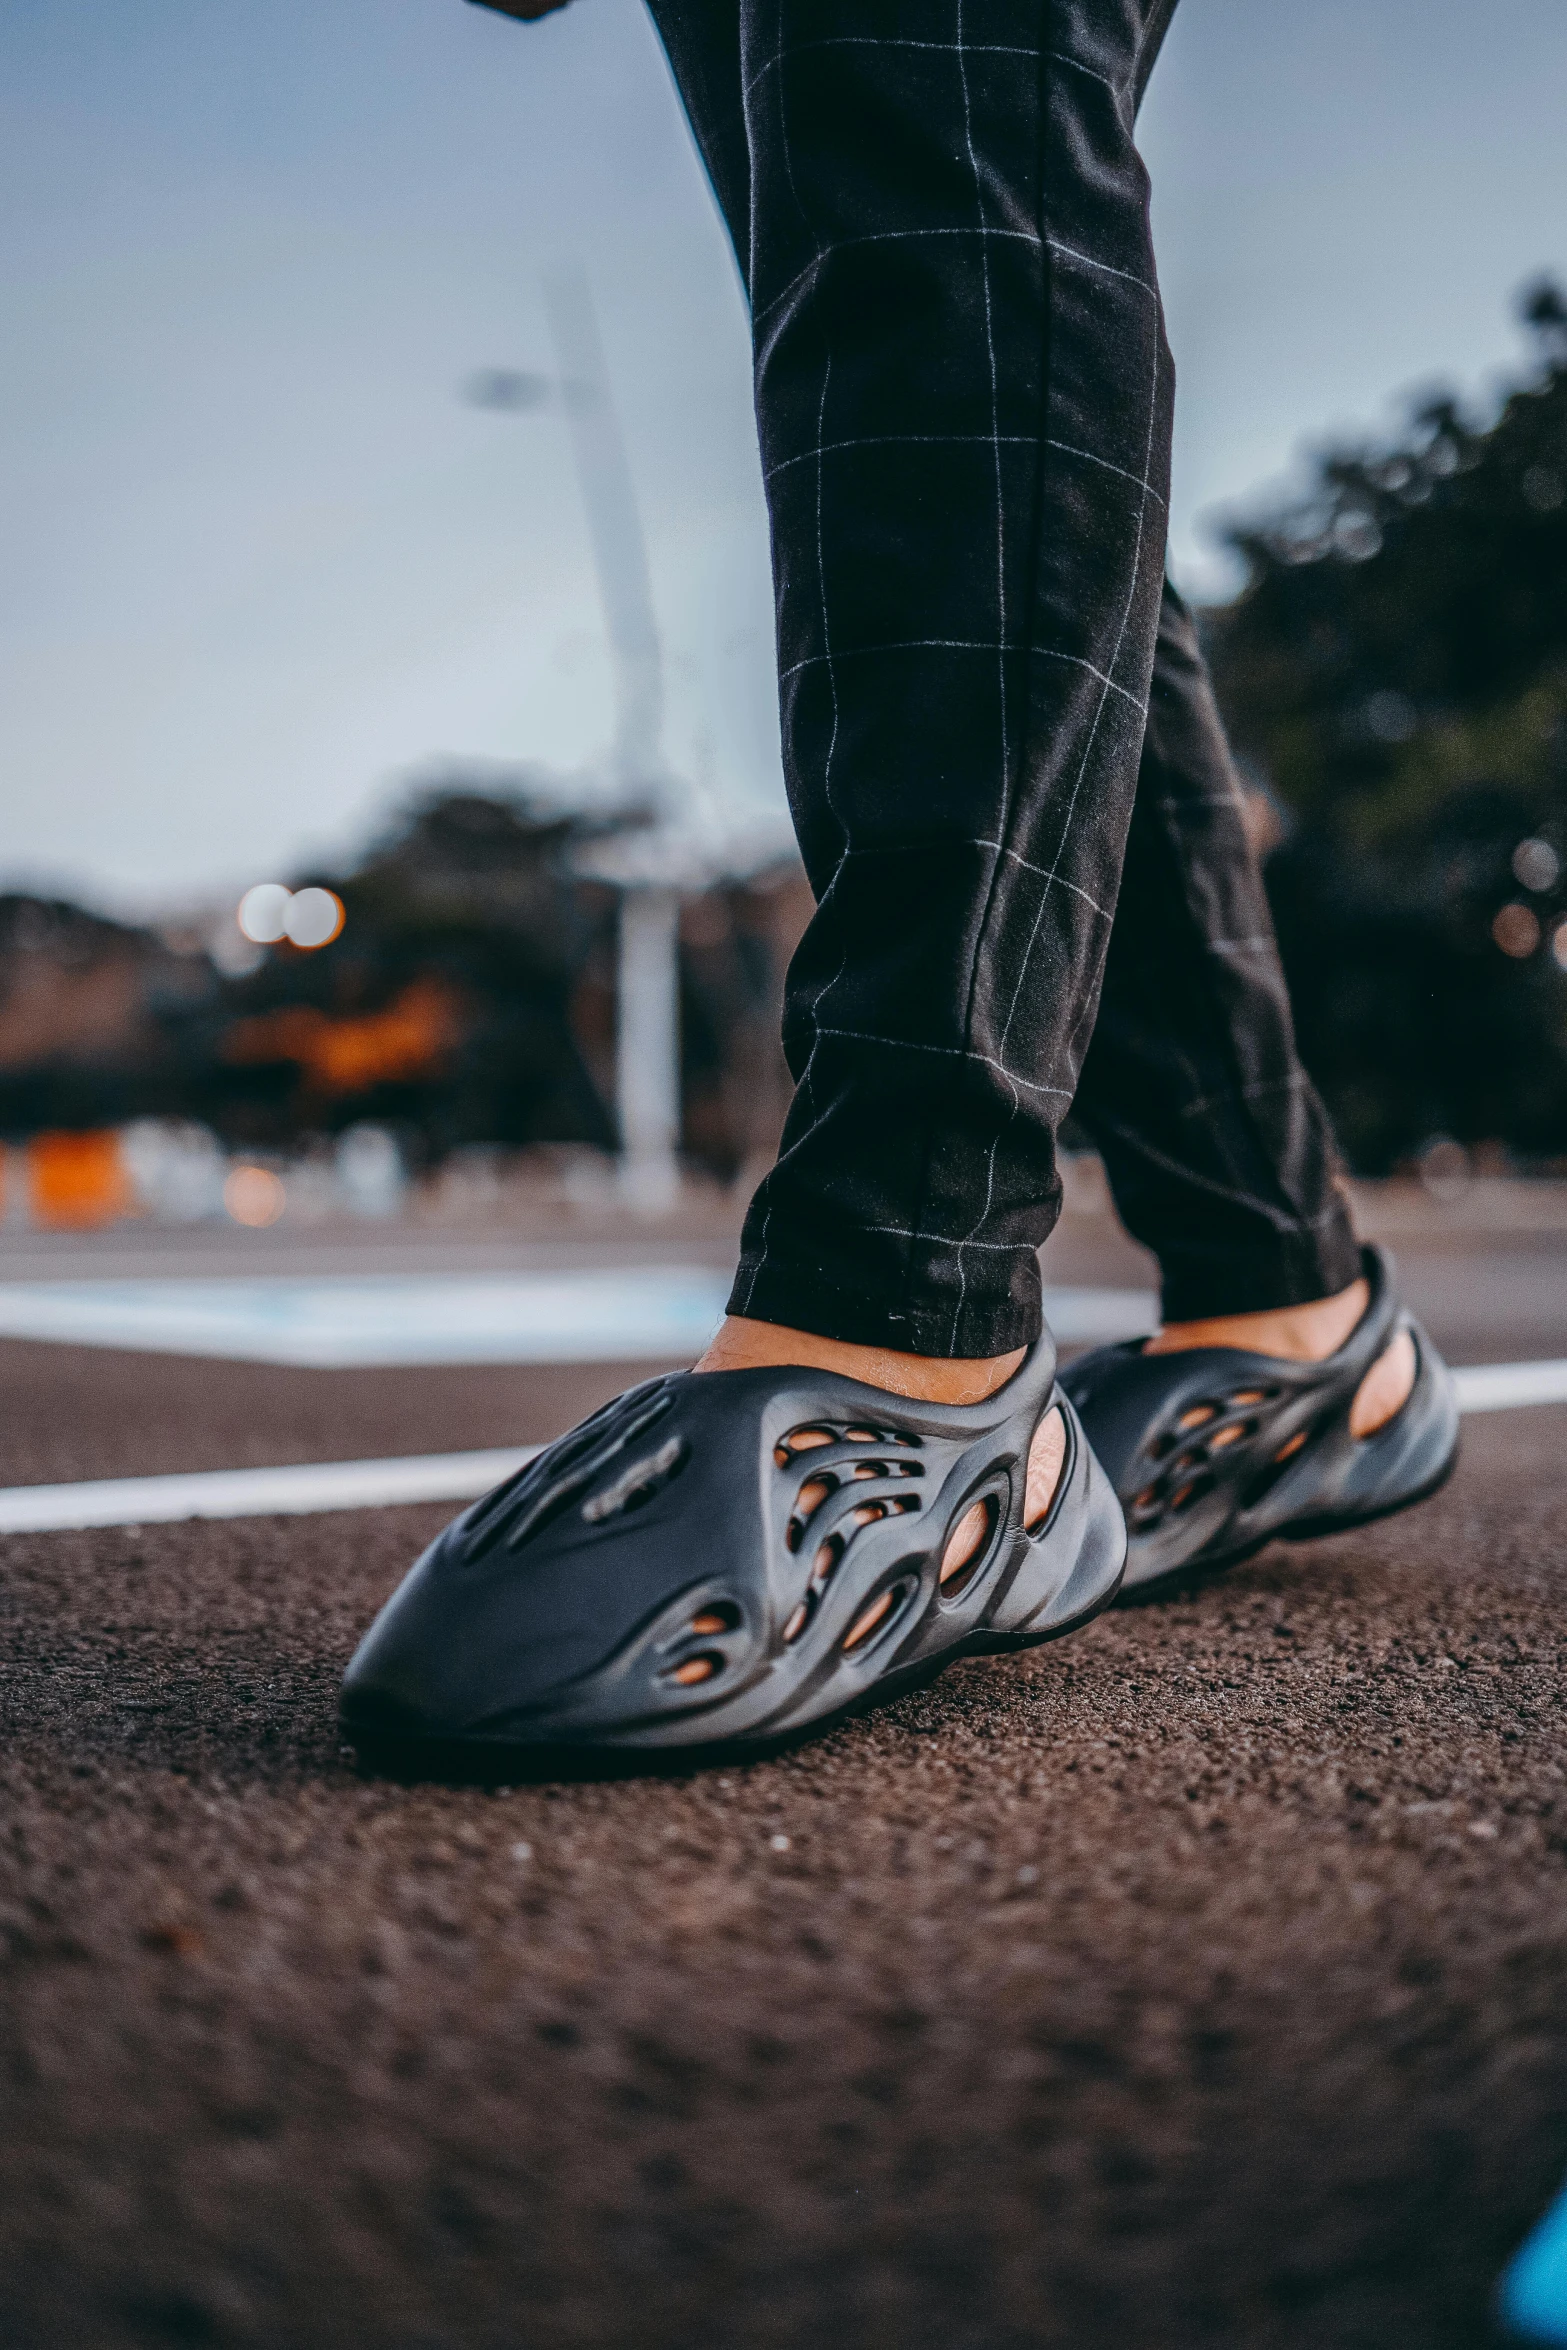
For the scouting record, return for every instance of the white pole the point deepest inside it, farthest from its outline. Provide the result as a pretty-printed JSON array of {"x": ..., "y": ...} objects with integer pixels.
[
  {"x": 647, "y": 1074},
  {"x": 647, "y": 1056},
  {"x": 615, "y": 528}
]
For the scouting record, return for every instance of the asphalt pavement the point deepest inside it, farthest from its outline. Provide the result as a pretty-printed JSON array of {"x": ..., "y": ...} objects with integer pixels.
[{"x": 1195, "y": 1981}]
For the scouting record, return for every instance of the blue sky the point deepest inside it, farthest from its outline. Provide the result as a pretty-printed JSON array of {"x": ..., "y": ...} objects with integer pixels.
[{"x": 262, "y": 562}]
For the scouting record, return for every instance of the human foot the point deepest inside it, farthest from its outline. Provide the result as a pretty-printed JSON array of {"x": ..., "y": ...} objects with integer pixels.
[
  {"x": 741, "y": 1344},
  {"x": 719, "y": 1562},
  {"x": 1219, "y": 1435},
  {"x": 1309, "y": 1334}
]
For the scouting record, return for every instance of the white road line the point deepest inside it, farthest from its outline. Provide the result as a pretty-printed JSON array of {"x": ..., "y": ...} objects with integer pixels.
[
  {"x": 1501, "y": 1387},
  {"x": 257, "y": 1493},
  {"x": 462, "y": 1476}
]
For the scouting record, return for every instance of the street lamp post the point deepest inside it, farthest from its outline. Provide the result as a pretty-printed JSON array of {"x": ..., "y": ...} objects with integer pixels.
[
  {"x": 647, "y": 1047},
  {"x": 647, "y": 992}
]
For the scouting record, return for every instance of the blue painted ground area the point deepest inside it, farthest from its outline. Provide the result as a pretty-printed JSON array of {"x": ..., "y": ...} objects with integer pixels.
[
  {"x": 1532, "y": 2300},
  {"x": 642, "y": 1313},
  {"x": 635, "y": 1313}
]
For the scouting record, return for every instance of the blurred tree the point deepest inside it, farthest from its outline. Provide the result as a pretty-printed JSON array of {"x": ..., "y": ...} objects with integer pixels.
[
  {"x": 470, "y": 996},
  {"x": 86, "y": 1006},
  {"x": 1396, "y": 668},
  {"x": 444, "y": 1005}
]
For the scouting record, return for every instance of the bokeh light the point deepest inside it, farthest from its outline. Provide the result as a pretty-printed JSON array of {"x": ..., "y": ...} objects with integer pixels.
[
  {"x": 1536, "y": 864},
  {"x": 1559, "y": 944},
  {"x": 263, "y": 912},
  {"x": 254, "y": 1196},
  {"x": 1444, "y": 1168},
  {"x": 307, "y": 918},
  {"x": 313, "y": 917},
  {"x": 1516, "y": 930}
]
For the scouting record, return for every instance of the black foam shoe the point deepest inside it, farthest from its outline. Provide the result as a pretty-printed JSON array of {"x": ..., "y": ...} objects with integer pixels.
[
  {"x": 725, "y": 1559},
  {"x": 1214, "y": 1452}
]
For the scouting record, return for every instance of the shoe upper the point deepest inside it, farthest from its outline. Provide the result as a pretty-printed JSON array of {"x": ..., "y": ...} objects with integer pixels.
[
  {"x": 698, "y": 1561},
  {"x": 1214, "y": 1449}
]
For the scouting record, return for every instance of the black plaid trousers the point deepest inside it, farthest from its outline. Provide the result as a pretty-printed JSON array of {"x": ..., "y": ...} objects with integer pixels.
[{"x": 963, "y": 395}]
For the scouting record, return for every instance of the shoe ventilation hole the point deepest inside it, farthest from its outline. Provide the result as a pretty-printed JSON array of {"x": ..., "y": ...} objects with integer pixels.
[
  {"x": 721, "y": 1617},
  {"x": 1287, "y": 1452},
  {"x": 810, "y": 1498},
  {"x": 821, "y": 1484},
  {"x": 1036, "y": 1517},
  {"x": 864, "y": 1625},
  {"x": 697, "y": 1668},
  {"x": 967, "y": 1545},
  {"x": 802, "y": 1440},
  {"x": 1192, "y": 1491},
  {"x": 825, "y": 1563},
  {"x": 810, "y": 1439},
  {"x": 867, "y": 1514},
  {"x": 829, "y": 1555},
  {"x": 712, "y": 1621},
  {"x": 1185, "y": 1450},
  {"x": 877, "y": 1617}
]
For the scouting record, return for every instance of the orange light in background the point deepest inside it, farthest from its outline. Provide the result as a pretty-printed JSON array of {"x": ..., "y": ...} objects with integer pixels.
[
  {"x": 1516, "y": 930},
  {"x": 254, "y": 1196},
  {"x": 77, "y": 1181},
  {"x": 348, "y": 1052}
]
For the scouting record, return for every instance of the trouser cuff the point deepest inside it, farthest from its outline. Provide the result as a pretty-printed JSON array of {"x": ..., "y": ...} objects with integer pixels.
[
  {"x": 955, "y": 1317},
  {"x": 1291, "y": 1269}
]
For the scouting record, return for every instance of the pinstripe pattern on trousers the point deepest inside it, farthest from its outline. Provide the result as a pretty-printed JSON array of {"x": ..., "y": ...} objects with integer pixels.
[{"x": 964, "y": 395}]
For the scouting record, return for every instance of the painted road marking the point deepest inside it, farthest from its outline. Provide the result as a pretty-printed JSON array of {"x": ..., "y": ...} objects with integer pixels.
[
  {"x": 463, "y": 1476},
  {"x": 635, "y": 1313},
  {"x": 258, "y": 1493},
  {"x": 1502, "y": 1387}
]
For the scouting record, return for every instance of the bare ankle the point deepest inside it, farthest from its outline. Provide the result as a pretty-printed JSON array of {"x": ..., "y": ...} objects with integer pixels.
[
  {"x": 741, "y": 1344},
  {"x": 1309, "y": 1334},
  {"x": 1300, "y": 1334}
]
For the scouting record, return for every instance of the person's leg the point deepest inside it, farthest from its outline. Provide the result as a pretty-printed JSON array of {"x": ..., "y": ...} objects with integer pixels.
[
  {"x": 1219, "y": 1152},
  {"x": 1217, "y": 1147},
  {"x": 963, "y": 398},
  {"x": 963, "y": 394},
  {"x": 1288, "y": 1391},
  {"x": 701, "y": 41}
]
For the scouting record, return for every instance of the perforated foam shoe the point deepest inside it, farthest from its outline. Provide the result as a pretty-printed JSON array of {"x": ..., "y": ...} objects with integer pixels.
[
  {"x": 1214, "y": 1451},
  {"x": 725, "y": 1559}
]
